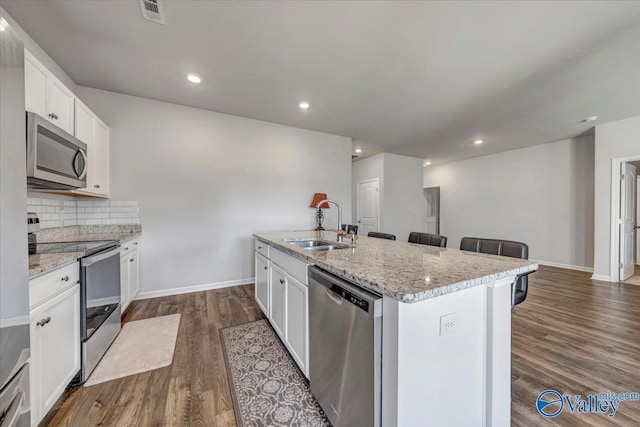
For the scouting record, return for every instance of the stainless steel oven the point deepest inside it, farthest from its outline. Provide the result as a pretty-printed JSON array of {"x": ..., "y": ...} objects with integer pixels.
[
  {"x": 56, "y": 160},
  {"x": 100, "y": 305}
]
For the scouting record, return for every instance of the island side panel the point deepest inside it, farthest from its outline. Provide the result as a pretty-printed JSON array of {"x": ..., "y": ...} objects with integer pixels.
[
  {"x": 498, "y": 371},
  {"x": 429, "y": 378}
]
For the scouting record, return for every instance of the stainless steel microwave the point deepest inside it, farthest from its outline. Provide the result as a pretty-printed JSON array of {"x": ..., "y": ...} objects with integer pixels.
[{"x": 56, "y": 160}]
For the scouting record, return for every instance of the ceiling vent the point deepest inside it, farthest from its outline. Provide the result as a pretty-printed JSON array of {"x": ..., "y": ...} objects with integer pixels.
[
  {"x": 355, "y": 156},
  {"x": 152, "y": 10}
]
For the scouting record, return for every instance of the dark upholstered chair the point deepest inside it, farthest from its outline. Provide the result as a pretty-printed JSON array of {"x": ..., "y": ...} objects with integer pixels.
[
  {"x": 348, "y": 228},
  {"x": 503, "y": 248},
  {"x": 381, "y": 235},
  {"x": 428, "y": 239}
]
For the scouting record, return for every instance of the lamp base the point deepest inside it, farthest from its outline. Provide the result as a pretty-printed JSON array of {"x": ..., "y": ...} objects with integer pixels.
[{"x": 319, "y": 220}]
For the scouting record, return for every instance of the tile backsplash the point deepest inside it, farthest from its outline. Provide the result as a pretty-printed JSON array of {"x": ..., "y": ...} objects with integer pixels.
[{"x": 63, "y": 213}]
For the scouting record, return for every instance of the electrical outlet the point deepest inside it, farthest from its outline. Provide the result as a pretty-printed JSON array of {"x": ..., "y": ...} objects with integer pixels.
[{"x": 448, "y": 323}]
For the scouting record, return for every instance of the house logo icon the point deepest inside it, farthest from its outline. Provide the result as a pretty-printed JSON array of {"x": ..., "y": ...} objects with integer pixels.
[{"x": 549, "y": 403}]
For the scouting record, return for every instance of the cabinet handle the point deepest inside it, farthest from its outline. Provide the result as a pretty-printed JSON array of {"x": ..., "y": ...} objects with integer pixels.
[
  {"x": 53, "y": 116},
  {"x": 126, "y": 249},
  {"x": 266, "y": 268},
  {"x": 259, "y": 247},
  {"x": 96, "y": 186},
  {"x": 132, "y": 259},
  {"x": 44, "y": 321},
  {"x": 65, "y": 279},
  {"x": 282, "y": 281},
  {"x": 136, "y": 243}
]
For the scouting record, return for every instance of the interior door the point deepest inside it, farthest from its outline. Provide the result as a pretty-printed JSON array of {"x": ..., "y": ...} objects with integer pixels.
[
  {"x": 627, "y": 220},
  {"x": 368, "y": 208}
]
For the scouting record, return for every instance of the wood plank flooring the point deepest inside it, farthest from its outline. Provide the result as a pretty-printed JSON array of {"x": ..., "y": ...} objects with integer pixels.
[{"x": 572, "y": 334}]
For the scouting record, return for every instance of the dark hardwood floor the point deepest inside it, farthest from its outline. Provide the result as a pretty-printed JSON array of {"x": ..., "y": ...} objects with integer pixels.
[{"x": 571, "y": 334}]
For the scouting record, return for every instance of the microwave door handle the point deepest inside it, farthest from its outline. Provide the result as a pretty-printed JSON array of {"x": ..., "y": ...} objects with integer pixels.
[{"x": 86, "y": 164}]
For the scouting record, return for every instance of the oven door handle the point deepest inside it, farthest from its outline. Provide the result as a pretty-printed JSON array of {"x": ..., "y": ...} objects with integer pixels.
[{"x": 100, "y": 256}]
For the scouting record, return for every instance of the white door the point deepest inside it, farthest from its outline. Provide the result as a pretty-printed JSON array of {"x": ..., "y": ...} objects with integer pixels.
[
  {"x": 278, "y": 287},
  {"x": 101, "y": 159},
  {"x": 297, "y": 323},
  {"x": 262, "y": 283},
  {"x": 627, "y": 220},
  {"x": 368, "y": 209},
  {"x": 61, "y": 105},
  {"x": 35, "y": 85},
  {"x": 432, "y": 210}
]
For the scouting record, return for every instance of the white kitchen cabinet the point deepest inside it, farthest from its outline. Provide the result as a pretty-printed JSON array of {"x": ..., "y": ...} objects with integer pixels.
[
  {"x": 281, "y": 291},
  {"x": 129, "y": 273},
  {"x": 278, "y": 293},
  {"x": 296, "y": 312},
  {"x": 55, "y": 346},
  {"x": 35, "y": 84},
  {"x": 262, "y": 283},
  {"x": 47, "y": 96},
  {"x": 101, "y": 161}
]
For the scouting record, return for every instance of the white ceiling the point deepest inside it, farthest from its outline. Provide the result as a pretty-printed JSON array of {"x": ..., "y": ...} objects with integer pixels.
[{"x": 416, "y": 78}]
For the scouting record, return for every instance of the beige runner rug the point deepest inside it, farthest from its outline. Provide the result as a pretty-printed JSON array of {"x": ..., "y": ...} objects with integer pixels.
[{"x": 141, "y": 345}]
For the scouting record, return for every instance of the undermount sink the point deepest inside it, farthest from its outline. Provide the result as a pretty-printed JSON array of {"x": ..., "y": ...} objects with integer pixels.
[{"x": 316, "y": 244}]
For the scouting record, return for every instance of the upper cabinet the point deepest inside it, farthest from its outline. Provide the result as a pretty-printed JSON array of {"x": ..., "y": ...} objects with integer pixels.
[
  {"x": 46, "y": 96},
  {"x": 93, "y": 132}
]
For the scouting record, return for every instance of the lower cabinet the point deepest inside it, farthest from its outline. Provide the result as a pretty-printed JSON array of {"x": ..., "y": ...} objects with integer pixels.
[
  {"x": 55, "y": 349},
  {"x": 282, "y": 294},
  {"x": 262, "y": 283},
  {"x": 129, "y": 273}
]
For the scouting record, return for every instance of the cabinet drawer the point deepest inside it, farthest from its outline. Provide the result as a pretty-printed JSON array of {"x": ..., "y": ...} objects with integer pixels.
[
  {"x": 290, "y": 264},
  {"x": 46, "y": 286},
  {"x": 129, "y": 246},
  {"x": 262, "y": 248}
]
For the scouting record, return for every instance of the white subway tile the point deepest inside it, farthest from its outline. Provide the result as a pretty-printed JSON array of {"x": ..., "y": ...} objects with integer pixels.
[
  {"x": 81, "y": 222},
  {"x": 34, "y": 201},
  {"x": 123, "y": 210},
  {"x": 101, "y": 215},
  {"x": 131, "y": 203},
  {"x": 124, "y": 221},
  {"x": 93, "y": 221},
  {"x": 70, "y": 203},
  {"x": 115, "y": 204},
  {"x": 116, "y": 215},
  {"x": 85, "y": 204},
  {"x": 131, "y": 215}
]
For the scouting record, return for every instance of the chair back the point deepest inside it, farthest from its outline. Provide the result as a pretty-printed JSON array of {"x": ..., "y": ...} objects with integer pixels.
[
  {"x": 381, "y": 235},
  {"x": 428, "y": 239},
  {"x": 347, "y": 228}
]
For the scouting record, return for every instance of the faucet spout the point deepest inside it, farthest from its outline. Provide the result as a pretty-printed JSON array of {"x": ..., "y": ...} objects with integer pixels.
[{"x": 339, "y": 228}]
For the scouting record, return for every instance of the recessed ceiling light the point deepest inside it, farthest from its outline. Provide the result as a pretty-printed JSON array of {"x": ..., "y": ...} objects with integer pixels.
[
  {"x": 427, "y": 163},
  {"x": 478, "y": 141},
  {"x": 591, "y": 119},
  {"x": 193, "y": 78},
  {"x": 304, "y": 105},
  {"x": 358, "y": 150}
]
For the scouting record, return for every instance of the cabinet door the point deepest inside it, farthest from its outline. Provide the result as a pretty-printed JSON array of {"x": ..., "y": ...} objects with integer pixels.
[
  {"x": 60, "y": 103},
  {"x": 124, "y": 283},
  {"x": 101, "y": 159},
  {"x": 56, "y": 326},
  {"x": 296, "y": 310},
  {"x": 35, "y": 85},
  {"x": 278, "y": 288},
  {"x": 262, "y": 283},
  {"x": 134, "y": 274}
]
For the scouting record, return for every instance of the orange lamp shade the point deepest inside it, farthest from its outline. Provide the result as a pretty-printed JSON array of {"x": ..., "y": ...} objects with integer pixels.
[{"x": 317, "y": 198}]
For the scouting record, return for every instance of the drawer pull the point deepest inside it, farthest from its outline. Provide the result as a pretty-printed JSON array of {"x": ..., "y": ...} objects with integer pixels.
[
  {"x": 282, "y": 281},
  {"x": 266, "y": 268},
  {"x": 259, "y": 247},
  {"x": 65, "y": 279},
  {"x": 126, "y": 249},
  {"x": 44, "y": 321},
  {"x": 135, "y": 243},
  {"x": 96, "y": 186},
  {"x": 132, "y": 259}
]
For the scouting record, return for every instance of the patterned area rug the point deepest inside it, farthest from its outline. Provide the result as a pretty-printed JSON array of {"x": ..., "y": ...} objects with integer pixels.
[{"x": 267, "y": 387}]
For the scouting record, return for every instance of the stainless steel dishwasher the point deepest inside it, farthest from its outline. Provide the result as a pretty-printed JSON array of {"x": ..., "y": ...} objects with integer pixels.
[{"x": 345, "y": 346}]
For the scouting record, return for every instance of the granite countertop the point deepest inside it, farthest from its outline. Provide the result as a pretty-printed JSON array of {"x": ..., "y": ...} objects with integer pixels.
[
  {"x": 40, "y": 264},
  {"x": 404, "y": 271}
]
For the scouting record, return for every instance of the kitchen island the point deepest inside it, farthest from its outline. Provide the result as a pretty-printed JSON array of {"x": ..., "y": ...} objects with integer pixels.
[{"x": 446, "y": 346}]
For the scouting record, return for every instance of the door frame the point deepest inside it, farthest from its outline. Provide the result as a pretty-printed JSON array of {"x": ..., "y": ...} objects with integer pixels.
[
  {"x": 616, "y": 182},
  {"x": 439, "y": 186},
  {"x": 377, "y": 181}
]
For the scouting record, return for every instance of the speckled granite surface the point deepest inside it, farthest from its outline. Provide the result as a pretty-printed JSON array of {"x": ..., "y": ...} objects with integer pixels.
[
  {"x": 40, "y": 264},
  {"x": 404, "y": 271},
  {"x": 43, "y": 263},
  {"x": 88, "y": 233}
]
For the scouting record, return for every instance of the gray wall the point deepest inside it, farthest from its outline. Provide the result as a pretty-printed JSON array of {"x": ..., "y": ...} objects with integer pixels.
[
  {"x": 541, "y": 195},
  {"x": 206, "y": 181},
  {"x": 614, "y": 140}
]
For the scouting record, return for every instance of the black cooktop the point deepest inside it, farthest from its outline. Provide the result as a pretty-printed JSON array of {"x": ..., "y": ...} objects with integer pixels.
[{"x": 88, "y": 248}]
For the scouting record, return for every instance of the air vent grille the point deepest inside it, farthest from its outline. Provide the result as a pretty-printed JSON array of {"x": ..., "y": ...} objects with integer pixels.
[{"x": 152, "y": 10}]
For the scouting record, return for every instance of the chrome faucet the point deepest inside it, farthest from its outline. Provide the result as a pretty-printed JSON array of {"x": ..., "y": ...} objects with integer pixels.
[{"x": 341, "y": 232}]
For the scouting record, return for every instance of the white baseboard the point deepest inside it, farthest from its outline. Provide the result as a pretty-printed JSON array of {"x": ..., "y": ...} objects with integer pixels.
[
  {"x": 601, "y": 277},
  {"x": 567, "y": 266},
  {"x": 196, "y": 288}
]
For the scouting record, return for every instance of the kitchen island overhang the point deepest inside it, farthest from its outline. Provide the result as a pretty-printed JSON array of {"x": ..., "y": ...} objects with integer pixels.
[{"x": 446, "y": 325}]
